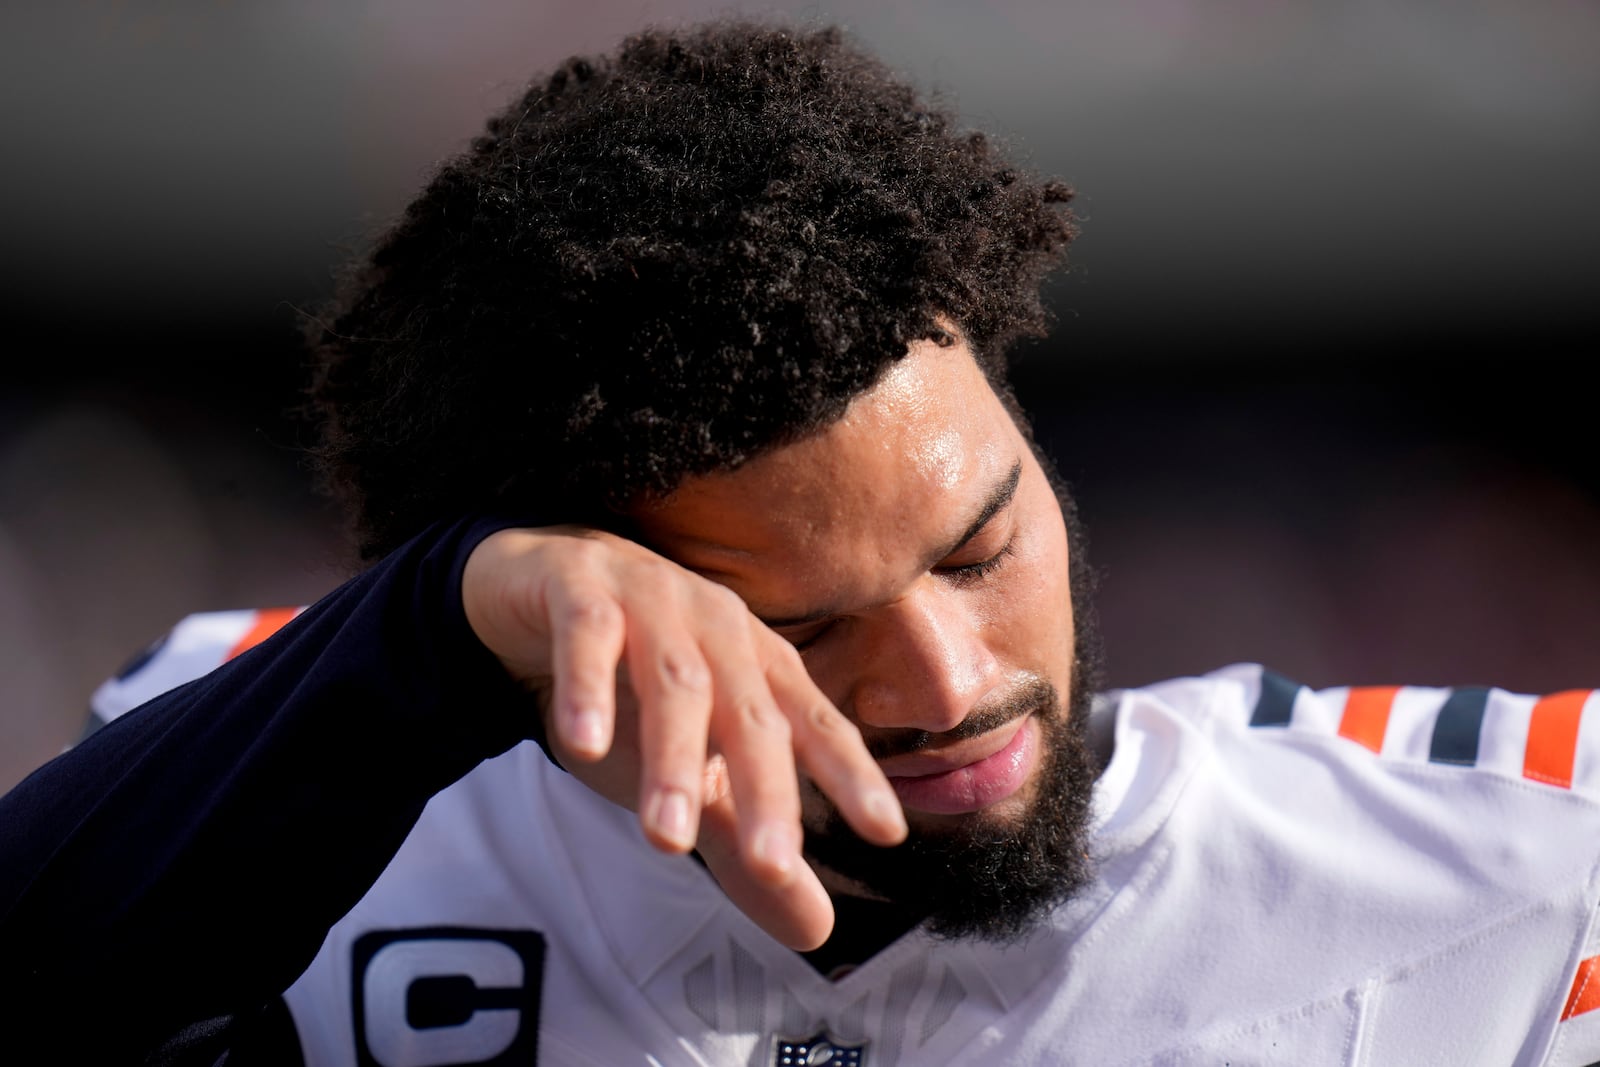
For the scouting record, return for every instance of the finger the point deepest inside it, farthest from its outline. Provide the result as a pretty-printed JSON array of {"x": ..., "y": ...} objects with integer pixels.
[
  {"x": 753, "y": 736},
  {"x": 798, "y": 913},
  {"x": 669, "y": 676},
  {"x": 830, "y": 749},
  {"x": 587, "y": 635}
]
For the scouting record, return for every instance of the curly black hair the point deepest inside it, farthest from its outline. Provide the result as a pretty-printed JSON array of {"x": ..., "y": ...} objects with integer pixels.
[{"x": 659, "y": 264}]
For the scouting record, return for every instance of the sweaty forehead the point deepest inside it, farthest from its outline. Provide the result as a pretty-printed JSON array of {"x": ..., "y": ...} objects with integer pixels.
[
  {"x": 902, "y": 471},
  {"x": 918, "y": 427}
]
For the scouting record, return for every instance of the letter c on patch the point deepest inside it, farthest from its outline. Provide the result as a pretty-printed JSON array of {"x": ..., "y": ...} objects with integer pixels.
[{"x": 443, "y": 996}]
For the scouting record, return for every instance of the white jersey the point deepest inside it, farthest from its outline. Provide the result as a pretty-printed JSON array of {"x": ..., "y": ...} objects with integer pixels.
[{"x": 1384, "y": 876}]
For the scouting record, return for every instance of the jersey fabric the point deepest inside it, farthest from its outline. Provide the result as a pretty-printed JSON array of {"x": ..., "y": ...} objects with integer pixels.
[
  {"x": 1286, "y": 877},
  {"x": 1372, "y": 876},
  {"x": 196, "y": 646}
]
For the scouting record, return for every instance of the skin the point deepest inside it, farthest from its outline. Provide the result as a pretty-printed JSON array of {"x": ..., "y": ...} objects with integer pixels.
[{"x": 914, "y": 551}]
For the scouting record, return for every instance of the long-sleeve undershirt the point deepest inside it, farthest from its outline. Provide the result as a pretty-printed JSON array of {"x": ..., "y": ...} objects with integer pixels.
[{"x": 185, "y": 862}]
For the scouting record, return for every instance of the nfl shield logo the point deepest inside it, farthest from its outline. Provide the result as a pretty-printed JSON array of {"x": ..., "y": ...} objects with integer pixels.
[{"x": 819, "y": 1050}]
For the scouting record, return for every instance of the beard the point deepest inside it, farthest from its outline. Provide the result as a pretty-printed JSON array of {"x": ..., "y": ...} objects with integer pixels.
[{"x": 990, "y": 877}]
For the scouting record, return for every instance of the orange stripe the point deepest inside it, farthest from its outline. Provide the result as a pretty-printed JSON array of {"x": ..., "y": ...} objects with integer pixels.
[
  {"x": 1585, "y": 995},
  {"x": 268, "y": 622},
  {"x": 1366, "y": 715},
  {"x": 1553, "y": 737}
]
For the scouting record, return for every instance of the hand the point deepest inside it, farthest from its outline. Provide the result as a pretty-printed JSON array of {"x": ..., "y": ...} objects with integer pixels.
[{"x": 666, "y": 695}]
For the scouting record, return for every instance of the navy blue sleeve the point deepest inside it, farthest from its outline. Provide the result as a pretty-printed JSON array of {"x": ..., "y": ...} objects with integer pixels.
[{"x": 184, "y": 863}]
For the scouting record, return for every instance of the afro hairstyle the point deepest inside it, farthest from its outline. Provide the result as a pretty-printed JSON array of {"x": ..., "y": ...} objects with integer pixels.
[{"x": 658, "y": 264}]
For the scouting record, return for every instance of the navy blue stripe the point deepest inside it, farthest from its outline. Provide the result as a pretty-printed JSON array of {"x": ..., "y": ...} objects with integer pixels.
[
  {"x": 1276, "y": 702},
  {"x": 1455, "y": 734},
  {"x": 133, "y": 665}
]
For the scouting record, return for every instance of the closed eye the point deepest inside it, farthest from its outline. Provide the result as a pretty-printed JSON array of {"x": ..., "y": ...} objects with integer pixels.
[{"x": 968, "y": 573}]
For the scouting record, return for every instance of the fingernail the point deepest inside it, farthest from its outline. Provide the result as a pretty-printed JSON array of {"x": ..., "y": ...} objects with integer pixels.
[
  {"x": 670, "y": 817},
  {"x": 774, "y": 845},
  {"x": 588, "y": 730}
]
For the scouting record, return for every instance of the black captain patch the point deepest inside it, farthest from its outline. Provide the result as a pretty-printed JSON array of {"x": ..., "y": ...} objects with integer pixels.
[{"x": 446, "y": 996}]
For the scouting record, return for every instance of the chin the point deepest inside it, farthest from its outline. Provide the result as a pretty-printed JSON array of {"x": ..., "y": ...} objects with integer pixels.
[{"x": 992, "y": 874}]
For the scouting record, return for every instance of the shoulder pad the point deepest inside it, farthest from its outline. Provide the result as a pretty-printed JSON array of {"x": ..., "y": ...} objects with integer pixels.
[{"x": 194, "y": 647}]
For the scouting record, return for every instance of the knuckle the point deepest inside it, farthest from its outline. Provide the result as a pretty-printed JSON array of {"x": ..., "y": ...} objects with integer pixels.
[
  {"x": 649, "y": 581},
  {"x": 683, "y": 671},
  {"x": 720, "y": 609},
  {"x": 824, "y": 722},
  {"x": 753, "y": 713},
  {"x": 728, "y": 602},
  {"x": 581, "y": 555},
  {"x": 591, "y": 611}
]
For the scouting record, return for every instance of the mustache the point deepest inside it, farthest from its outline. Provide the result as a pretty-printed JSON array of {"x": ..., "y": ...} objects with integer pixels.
[{"x": 1029, "y": 697}]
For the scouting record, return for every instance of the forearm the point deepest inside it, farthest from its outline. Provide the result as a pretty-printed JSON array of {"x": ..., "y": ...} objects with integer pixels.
[{"x": 185, "y": 861}]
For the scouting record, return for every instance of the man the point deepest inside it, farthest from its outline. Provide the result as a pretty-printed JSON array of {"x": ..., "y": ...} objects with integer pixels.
[{"x": 674, "y": 416}]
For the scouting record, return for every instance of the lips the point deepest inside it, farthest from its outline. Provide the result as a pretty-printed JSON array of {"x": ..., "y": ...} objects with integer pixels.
[{"x": 970, "y": 776}]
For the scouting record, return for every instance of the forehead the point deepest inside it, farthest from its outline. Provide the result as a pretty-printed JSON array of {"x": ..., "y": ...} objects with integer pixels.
[{"x": 903, "y": 470}]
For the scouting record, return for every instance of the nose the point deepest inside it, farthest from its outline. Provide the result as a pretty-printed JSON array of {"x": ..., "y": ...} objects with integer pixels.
[{"x": 926, "y": 662}]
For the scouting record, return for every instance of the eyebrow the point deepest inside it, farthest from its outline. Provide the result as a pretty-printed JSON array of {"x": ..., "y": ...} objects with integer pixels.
[{"x": 998, "y": 499}]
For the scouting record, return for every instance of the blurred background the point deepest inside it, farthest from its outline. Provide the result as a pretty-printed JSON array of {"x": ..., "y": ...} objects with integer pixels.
[{"x": 1316, "y": 374}]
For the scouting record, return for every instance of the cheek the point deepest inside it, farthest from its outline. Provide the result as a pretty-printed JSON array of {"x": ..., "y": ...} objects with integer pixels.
[
  {"x": 832, "y": 664},
  {"x": 1030, "y": 610}
]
